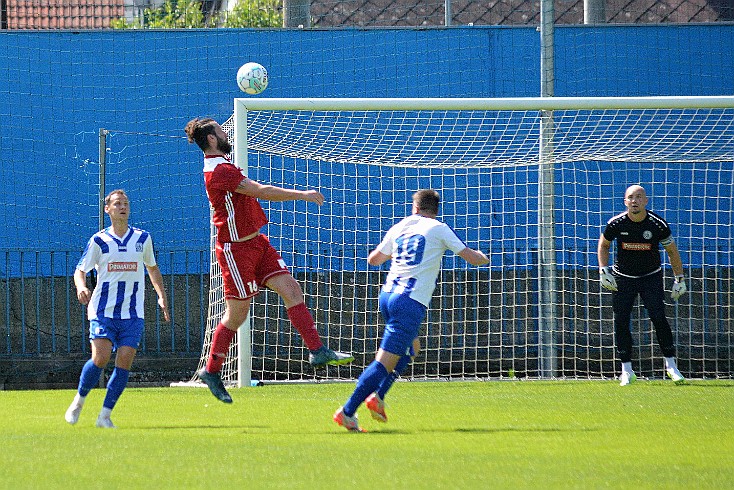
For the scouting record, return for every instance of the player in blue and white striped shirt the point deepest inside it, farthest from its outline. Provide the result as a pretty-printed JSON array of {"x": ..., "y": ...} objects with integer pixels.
[
  {"x": 416, "y": 246},
  {"x": 120, "y": 254}
]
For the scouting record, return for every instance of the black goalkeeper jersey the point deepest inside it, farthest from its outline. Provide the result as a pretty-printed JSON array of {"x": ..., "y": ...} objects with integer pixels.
[{"x": 638, "y": 250}]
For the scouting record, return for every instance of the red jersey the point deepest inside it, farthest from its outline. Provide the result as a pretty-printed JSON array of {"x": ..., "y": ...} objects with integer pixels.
[{"x": 235, "y": 215}]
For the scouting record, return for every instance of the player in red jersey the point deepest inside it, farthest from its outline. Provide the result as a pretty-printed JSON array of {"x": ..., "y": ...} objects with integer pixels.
[{"x": 246, "y": 257}]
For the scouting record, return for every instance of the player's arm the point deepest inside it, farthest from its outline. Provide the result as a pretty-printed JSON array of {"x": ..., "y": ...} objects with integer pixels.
[
  {"x": 675, "y": 261},
  {"x": 451, "y": 241},
  {"x": 602, "y": 254},
  {"x": 474, "y": 257},
  {"x": 90, "y": 257},
  {"x": 679, "y": 284},
  {"x": 156, "y": 278},
  {"x": 257, "y": 190},
  {"x": 83, "y": 293},
  {"x": 377, "y": 258},
  {"x": 383, "y": 252},
  {"x": 602, "y": 251}
]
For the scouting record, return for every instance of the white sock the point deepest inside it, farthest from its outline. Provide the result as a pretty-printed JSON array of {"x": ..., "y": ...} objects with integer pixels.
[
  {"x": 670, "y": 363},
  {"x": 627, "y": 367},
  {"x": 105, "y": 413},
  {"x": 79, "y": 400}
]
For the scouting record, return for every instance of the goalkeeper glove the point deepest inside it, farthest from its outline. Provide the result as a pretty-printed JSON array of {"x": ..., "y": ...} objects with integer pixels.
[
  {"x": 679, "y": 288},
  {"x": 607, "y": 279}
]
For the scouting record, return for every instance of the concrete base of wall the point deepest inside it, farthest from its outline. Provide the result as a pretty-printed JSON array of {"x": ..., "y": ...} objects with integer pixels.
[{"x": 63, "y": 372}]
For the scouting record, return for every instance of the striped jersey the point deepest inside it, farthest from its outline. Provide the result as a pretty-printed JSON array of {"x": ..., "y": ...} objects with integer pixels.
[
  {"x": 416, "y": 245},
  {"x": 234, "y": 215},
  {"x": 120, "y": 263}
]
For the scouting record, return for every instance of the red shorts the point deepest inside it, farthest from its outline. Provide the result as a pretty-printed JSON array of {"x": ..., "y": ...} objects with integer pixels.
[{"x": 247, "y": 266}]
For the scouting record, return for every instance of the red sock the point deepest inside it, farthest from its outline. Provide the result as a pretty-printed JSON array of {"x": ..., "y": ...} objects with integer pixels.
[
  {"x": 302, "y": 320},
  {"x": 220, "y": 346}
]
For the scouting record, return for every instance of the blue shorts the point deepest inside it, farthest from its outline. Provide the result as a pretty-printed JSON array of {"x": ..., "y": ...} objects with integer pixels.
[
  {"x": 403, "y": 317},
  {"x": 127, "y": 332}
]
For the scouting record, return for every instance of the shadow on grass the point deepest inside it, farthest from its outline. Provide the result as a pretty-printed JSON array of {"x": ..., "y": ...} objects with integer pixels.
[
  {"x": 688, "y": 383},
  {"x": 703, "y": 384},
  {"x": 478, "y": 430},
  {"x": 224, "y": 426},
  {"x": 260, "y": 429}
]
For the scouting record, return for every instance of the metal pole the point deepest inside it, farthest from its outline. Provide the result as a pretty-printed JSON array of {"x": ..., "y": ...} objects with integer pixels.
[
  {"x": 594, "y": 12},
  {"x": 3, "y": 14},
  {"x": 447, "y": 12},
  {"x": 546, "y": 196},
  {"x": 102, "y": 172},
  {"x": 100, "y": 197}
]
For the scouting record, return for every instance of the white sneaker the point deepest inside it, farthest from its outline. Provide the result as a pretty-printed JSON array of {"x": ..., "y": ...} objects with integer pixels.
[
  {"x": 105, "y": 422},
  {"x": 675, "y": 375},
  {"x": 72, "y": 413},
  {"x": 627, "y": 378}
]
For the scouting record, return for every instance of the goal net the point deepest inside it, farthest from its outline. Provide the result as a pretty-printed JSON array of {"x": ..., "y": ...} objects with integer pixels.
[{"x": 529, "y": 181}]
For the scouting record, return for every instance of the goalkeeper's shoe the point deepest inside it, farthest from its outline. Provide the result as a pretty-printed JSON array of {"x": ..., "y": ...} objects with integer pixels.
[
  {"x": 376, "y": 406},
  {"x": 104, "y": 422},
  {"x": 72, "y": 413},
  {"x": 349, "y": 423},
  {"x": 675, "y": 375},
  {"x": 627, "y": 378},
  {"x": 324, "y": 356},
  {"x": 214, "y": 382}
]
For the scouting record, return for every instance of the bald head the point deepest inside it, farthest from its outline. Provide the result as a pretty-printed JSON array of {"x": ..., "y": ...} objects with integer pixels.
[{"x": 635, "y": 199}]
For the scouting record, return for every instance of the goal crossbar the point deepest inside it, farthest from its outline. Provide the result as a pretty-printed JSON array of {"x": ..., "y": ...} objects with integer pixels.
[
  {"x": 486, "y": 131},
  {"x": 488, "y": 104}
]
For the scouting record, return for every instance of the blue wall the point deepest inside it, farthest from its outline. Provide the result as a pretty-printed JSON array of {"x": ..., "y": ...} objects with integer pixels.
[{"x": 59, "y": 87}]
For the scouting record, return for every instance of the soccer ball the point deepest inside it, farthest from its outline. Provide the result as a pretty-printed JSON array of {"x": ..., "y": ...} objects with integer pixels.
[{"x": 252, "y": 78}]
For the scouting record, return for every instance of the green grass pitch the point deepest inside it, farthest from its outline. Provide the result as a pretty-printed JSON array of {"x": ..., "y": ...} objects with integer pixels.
[{"x": 463, "y": 435}]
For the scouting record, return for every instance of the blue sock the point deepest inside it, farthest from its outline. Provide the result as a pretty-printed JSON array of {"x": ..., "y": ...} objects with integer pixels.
[
  {"x": 89, "y": 378},
  {"x": 115, "y": 385},
  {"x": 366, "y": 384},
  {"x": 393, "y": 376}
]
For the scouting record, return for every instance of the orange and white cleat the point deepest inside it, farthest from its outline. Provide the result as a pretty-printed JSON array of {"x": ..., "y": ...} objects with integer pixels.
[
  {"x": 349, "y": 423},
  {"x": 376, "y": 406}
]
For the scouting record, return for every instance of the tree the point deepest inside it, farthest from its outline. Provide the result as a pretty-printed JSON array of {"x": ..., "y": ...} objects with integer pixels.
[
  {"x": 254, "y": 13},
  {"x": 187, "y": 14}
]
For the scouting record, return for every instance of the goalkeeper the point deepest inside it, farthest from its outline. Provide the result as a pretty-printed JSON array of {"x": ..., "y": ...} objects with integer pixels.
[
  {"x": 416, "y": 246},
  {"x": 638, "y": 271},
  {"x": 246, "y": 257}
]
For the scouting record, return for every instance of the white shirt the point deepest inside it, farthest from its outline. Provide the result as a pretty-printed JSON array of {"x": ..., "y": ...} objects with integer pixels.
[
  {"x": 120, "y": 264},
  {"x": 416, "y": 245}
]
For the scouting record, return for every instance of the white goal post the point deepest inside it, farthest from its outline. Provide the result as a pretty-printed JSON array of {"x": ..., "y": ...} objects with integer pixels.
[
  {"x": 531, "y": 181},
  {"x": 485, "y": 104}
]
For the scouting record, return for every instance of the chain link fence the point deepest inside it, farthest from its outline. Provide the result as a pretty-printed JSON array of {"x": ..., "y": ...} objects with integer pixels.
[{"x": 102, "y": 14}]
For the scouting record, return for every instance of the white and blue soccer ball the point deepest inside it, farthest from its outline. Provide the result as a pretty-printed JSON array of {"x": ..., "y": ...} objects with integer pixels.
[{"x": 252, "y": 78}]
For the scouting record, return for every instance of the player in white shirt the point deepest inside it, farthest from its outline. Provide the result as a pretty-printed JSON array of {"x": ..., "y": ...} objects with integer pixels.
[
  {"x": 119, "y": 254},
  {"x": 416, "y": 246}
]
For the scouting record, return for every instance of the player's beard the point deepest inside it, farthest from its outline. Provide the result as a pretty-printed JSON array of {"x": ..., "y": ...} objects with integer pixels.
[{"x": 224, "y": 146}]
